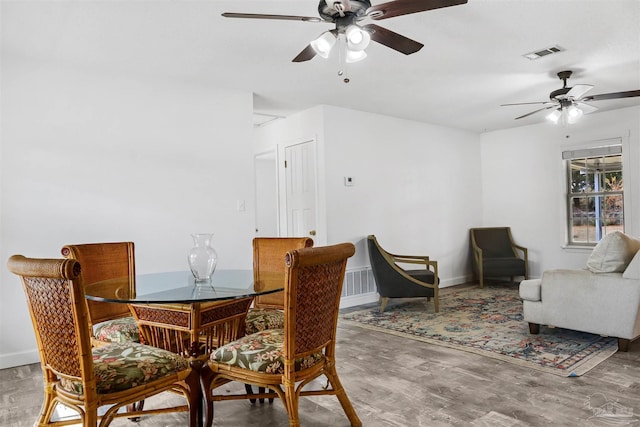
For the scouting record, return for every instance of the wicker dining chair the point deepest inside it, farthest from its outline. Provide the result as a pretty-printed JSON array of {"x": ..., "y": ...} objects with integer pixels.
[
  {"x": 82, "y": 377},
  {"x": 269, "y": 273},
  {"x": 110, "y": 322},
  {"x": 286, "y": 360}
]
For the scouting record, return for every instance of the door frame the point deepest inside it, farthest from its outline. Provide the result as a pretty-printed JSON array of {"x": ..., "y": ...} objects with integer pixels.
[{"x": 320, "y": 238}]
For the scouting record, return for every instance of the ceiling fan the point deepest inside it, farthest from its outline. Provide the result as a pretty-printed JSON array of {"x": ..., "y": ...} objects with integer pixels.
[
  {"x": 569, "y": 103},
  {"x": 346, "y": 15}
]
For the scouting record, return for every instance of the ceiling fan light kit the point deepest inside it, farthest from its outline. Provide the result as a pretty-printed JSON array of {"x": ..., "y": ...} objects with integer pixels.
[
  {"x": 355, "y": 56},
  {"x": 357, "y": 41},
  {"x": 568, "y": 115},
  {"x": 323, "y": 44},
  {"x": 357, "y": 38}
]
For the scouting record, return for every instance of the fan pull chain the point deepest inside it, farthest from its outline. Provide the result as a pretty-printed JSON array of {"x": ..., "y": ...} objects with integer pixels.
[{"x": 342, "y": 54}]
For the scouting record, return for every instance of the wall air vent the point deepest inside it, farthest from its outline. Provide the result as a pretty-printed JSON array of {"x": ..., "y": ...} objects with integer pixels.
[{"x": 543, "y": 52}]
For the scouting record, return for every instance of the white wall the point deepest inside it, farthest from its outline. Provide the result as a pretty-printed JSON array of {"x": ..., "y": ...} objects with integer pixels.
[
  {"x": 417, "y": 186},
  {"x": 523, "y": 182},
  {"x": 88, "y": 156}
]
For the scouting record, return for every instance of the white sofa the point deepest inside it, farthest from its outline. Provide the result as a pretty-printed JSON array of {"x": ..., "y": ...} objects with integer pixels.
[{"x": 603, "y": 299}]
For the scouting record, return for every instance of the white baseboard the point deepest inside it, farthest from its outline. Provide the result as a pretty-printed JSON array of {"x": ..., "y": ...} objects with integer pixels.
[
  {"x": 354, "y": 300},
  {"x": 373, "y": 297},
  {"x": 18, "y": 359},
  {"x": 453, "y": 281}
]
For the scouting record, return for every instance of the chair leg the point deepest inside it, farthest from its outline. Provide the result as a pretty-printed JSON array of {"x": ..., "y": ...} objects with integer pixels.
[
  {"x": 91, "y": 417},
  {"x": 341, "y": 394},
  {"x": 46, "y": 412},
  {"x": 291, "y": 402},
  {"x": 534, "y": 328},
  {"x": 138, "y": 406},
  {"x": 436, "y": 304},
  {"x": 206, "y": 378},
  {"x": 249, "y": 390},
  {"x": 383, "y": 303},
  {"x": 262, "y": 390},
  {"x": 623, "y": 344},
  {"x": 197, "y": 404}
]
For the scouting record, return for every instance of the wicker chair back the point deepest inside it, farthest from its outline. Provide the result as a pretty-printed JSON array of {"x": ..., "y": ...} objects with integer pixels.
[
  {"x": 103, "y": 261},
  {"x": 269, "y": 266}
]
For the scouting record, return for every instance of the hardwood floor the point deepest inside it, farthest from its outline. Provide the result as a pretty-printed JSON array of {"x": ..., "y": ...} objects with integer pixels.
[{"x": 395, "y": 382}]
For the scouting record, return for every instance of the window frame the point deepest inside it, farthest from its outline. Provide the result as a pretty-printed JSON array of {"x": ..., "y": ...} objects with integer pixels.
[{"x": 614, "y": 147}]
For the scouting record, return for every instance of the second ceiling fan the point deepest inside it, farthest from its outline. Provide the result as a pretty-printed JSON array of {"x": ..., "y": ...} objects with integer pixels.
[
  {"x": 347, "y": 15},
  {"x": 569, "y": 103}
]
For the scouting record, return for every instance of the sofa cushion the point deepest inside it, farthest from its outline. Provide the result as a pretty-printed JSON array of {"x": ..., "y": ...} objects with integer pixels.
[
  {"x": 503, "y": 266},
  {"x": 633, "y": 269},
  {"x": 613, "y": 253}
]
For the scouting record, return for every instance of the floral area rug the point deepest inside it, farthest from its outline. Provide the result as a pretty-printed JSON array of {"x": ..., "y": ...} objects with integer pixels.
[{"x": 489, "y": 322}]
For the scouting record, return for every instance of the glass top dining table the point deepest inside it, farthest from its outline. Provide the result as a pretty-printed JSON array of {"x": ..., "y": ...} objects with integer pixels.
[{"x": 177, "y": 287}]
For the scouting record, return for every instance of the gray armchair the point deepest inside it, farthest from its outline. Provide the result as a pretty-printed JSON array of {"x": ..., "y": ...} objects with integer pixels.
[
  {"x": 495, "y": 254},
  {"x": 395, "y": 282}
]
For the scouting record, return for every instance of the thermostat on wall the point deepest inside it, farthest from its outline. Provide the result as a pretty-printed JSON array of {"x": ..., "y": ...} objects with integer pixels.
[{"x": 348, "y": 181}]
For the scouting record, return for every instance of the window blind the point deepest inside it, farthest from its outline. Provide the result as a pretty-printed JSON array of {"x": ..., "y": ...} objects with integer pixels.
[{"x": 592, "y": 152}]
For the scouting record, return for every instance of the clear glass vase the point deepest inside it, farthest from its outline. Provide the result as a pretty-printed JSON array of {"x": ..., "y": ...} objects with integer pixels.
[{"x": 202, "y": 257}]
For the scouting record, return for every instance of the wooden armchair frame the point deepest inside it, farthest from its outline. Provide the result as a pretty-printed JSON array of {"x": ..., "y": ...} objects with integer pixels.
[{"x": 405, "y": 283}]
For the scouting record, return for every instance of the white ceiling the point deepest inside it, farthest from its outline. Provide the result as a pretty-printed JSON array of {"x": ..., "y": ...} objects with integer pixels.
[{"x": 471, "y": 62}]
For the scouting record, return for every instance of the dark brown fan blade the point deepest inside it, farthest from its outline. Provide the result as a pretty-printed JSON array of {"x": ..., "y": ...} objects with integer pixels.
[
  {"x": 613, "y": 95},
  {"x": 533, "y": 112},
  {"x": 264, "y": 16},
  {"x": 528, "y": 103},
  {"x": 392, "y": 39},
  {"x": 306, "y": 54},
  {"x": 405, "y": 7}
]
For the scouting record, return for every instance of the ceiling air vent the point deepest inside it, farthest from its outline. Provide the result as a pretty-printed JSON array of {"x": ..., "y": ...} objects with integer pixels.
[{"x": 543, "y": 52}]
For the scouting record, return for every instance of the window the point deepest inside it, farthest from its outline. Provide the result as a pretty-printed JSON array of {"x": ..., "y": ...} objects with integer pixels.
[{"x": 595, "y": 194}]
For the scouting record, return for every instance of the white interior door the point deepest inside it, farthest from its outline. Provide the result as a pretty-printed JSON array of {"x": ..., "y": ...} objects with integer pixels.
[
  {"x": 266, "y": 194},
  {"x": 300, "y": 181}
]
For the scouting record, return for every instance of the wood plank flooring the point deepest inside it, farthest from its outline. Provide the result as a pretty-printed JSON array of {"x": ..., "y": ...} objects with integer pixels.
[{"x": 396, "y": 382}]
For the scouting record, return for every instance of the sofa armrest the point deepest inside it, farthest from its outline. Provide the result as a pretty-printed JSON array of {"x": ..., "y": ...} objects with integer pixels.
[
  {"x": 633, "y": 269},
  {"x": 530, "y": 289}
]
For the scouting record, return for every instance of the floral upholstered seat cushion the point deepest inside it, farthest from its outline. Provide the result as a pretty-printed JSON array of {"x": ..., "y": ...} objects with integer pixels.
[
  {"x": 261, "y": 352},
  {"x": 260, "y": 319},
  {"x": 122, "y": 330},
  {"x": 120, "y": 367}
]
